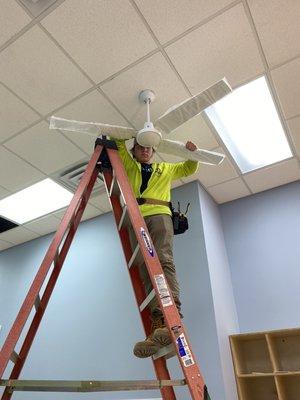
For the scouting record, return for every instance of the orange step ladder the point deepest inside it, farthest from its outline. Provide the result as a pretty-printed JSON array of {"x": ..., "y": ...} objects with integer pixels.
[{"x": 126, "y": 212}]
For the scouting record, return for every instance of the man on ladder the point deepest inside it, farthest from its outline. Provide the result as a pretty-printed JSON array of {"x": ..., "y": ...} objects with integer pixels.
[{"x": 151, "y": 183}]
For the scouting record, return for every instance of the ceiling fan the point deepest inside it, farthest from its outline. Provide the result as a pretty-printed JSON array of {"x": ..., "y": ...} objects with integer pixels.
[{"x": 151, "y": 134}]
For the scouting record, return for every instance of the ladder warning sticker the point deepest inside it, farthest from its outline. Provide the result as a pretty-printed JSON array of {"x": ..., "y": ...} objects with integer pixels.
[
  {"x": 147, "y": 242},
  {"x": 163, "y": 290},
  {"x": 184, "y": 351}
]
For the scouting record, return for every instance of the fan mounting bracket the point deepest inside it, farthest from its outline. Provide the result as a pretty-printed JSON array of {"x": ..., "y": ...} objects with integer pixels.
[{"x": 147, "y": 96}]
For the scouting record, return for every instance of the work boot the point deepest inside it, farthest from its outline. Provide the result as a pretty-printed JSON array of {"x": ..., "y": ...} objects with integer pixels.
[
  {"x": 146, "y": 348},
  {"x": 161, "y": 334}
]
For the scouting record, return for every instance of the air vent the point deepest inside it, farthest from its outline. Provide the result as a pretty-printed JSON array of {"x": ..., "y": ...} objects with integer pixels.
[
  {"x": 6, "y": 225},
  {"x": 71, "y": 177}
]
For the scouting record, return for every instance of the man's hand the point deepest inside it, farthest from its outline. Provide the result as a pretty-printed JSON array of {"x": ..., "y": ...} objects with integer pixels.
[{"x": 191, "y": 146}]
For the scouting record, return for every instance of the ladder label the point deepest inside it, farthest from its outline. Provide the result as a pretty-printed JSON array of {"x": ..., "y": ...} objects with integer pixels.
[
  {"x": 163, "y": 290},
  {"x": 147, "y": 242},
  {"x": 184, "y": 351}
]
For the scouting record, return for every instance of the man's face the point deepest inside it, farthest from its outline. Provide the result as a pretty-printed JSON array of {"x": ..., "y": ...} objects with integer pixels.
[{"x": 142, "y": 154}]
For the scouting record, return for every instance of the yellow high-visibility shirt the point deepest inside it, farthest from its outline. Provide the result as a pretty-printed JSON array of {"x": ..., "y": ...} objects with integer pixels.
[{"x": 159, "y": 185}]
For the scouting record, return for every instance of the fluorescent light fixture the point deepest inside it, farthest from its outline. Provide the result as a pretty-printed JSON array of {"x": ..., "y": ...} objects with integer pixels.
[
  {"x": 249, "y": 125},
  {"x": 35, "y": 201}
]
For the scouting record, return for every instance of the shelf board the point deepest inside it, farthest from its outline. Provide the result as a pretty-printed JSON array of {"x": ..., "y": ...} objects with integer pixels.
[
  {"x": 256, "y": 375},
  {"x": 264, "y": 374}
]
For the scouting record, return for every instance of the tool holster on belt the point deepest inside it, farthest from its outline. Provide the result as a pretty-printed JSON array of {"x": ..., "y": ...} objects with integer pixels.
[{"x": 180, "y": 221}]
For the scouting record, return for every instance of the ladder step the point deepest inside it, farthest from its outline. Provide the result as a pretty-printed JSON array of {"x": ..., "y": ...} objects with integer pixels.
[
  {"x": 124, "y": 221},
  {"x": 134, "y": 254},
  {"x": 167, "y": 352},
  {"x": 114, "y": 188},
  {"x": 87, "y": 386},
  {"x": 37, "y": 302},
  {"x": 147, "y": 300},
  {"x": 14, "y": 357}
]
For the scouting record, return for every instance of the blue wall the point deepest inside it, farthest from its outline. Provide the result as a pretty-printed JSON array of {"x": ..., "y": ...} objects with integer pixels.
[
  {"x": 222, "y": 292},
  {"x": 92, "y": 322},
  {"x": 262, "y": 235}
]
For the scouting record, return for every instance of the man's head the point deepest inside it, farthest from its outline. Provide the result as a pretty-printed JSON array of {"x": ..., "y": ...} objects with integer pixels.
[{"x": 142, "y": 154}]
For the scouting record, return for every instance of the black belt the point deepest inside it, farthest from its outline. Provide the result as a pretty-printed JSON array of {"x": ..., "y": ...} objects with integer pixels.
[{"x": 143, "y": 200}]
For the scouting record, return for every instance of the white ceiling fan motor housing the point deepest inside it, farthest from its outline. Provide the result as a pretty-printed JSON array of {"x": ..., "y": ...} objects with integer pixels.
[{"x": 148, "y": 136}]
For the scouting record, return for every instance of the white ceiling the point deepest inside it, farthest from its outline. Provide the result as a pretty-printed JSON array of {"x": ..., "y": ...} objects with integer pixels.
[{"x": 88, "y": 60}]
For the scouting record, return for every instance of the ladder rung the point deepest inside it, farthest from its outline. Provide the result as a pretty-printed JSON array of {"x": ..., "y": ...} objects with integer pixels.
[
  {"x": 167, "y": 352},
  {"x": 37, "y": 302},
  {"x": 124, "y": 218},
  {"x": 114, "y": 187},
  {"x": 134, "y": 254},
  {"x": 14, "y": 357},
  {"x": 147, "y": 300},
  {"x": 87, "y": 386}
]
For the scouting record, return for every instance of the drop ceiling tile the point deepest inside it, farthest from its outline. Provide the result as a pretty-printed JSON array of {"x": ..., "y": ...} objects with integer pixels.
[
  {"x": 197, "y": 131},
  {"x": 278, "y": 27},
  {"x": 225, "y": 46},
  {"x": 210, "y": 175},
  {"x": 3, "y": 192},
  {"x": 5, "y": 245},
  {"x": 14, "y": 114},
  {"x": 18, "y": 235},
  {"x": 92, "y": 107},
  {"x": 287, "y": 84},
  {"x": 89, "y": 212},
  {"x": 59, "y": 214},
  {"x": 43, "y": 225},
  {"x": 46, "y": 149},
  {"x": 229, "y": 190},
  {"x": 36, "y": 7},
  {"x": 273, "y": 176},
  {"x": 294, "y": 126},
  {"x": 101, "y": 36},
  {"x": 12, "y": 19},
  {"x": 16, "y": 174},
  {"x": 102, "y": 202},
  {"x": 170, "y": 18},
  {"x": 37, "y": 70},
  {"x": 153, "y": 73}
]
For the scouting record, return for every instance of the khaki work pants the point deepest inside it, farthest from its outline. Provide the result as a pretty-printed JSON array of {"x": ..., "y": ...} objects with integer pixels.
[{"x": 160, "y": 228}]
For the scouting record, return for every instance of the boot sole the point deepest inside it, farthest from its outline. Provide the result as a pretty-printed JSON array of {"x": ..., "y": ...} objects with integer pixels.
[
  {"x": 145, "y": 350},
  {"x": 161, "y": 337}
]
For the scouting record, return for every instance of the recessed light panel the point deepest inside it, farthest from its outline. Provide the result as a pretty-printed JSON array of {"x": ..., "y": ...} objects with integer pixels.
[
  {"x": 249, "y": 125},
  {"x": 35, "y": 201}
]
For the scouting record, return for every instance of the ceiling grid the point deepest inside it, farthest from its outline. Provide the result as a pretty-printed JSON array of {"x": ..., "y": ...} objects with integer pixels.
[{"x": 174, "y": 47}]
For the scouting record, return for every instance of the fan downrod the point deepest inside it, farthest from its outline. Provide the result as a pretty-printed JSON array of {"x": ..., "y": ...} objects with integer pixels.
[{"x": 146, "y": 96}]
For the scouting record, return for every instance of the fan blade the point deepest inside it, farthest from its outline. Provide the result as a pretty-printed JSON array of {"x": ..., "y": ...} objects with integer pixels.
[
  {"x": 182, "y": 112},
  {"x": 92, "y": 128},
  {"x": 179, "y": 149}
]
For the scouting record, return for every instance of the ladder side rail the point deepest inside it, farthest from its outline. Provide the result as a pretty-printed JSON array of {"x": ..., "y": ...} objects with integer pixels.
[
  {"x": 125, "y": 241},
  {"x": 15, "y": 373},
  {"x": 33, "y": 293},
  {"x": 160, "y": 365},
  {"x": 172, "y": 319}
]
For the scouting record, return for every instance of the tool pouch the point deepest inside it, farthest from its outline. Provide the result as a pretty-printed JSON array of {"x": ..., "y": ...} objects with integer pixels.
[{"x": 180, "y": 221}]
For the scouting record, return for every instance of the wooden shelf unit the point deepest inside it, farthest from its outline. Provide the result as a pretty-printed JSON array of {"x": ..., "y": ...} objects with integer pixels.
[{"x": 267, "y": 364}]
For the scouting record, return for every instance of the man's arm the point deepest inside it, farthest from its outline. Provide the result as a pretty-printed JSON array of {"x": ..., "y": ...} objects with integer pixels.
[
  {"x": 185, "y": 168},
  {"x": 123, "y": 152}
]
